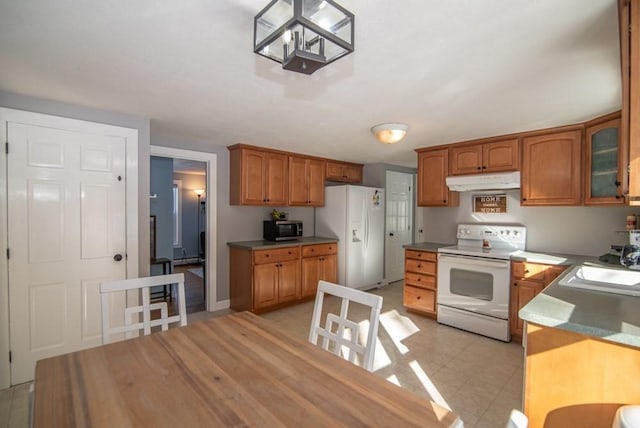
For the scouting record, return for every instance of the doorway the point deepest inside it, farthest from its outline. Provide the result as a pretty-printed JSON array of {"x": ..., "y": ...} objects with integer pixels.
[
  {"x": 399, "y": 218},
  {"x": 183, "y": 199}
]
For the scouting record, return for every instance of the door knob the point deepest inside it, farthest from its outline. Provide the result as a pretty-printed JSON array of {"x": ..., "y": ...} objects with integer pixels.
[
  {"x": 390, "y": 233},
  {"x": 117, "y": 257}
]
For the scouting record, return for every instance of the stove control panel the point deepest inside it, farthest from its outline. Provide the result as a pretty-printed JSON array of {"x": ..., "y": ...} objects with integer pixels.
[{"x": 513, "y": 235}]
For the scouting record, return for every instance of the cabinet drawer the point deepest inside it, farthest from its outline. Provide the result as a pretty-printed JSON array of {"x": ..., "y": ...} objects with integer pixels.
[
  {"x": 420, "y": 298},
  {"x": 421, "y": 255},
  {"x": 319, "y": 250},
  {"x": 420, "y": 266},
  {"x": 533, "y": 271},
  {"x": 423, "y": 281},
  {"x": 553, "y": 272},
  {"x": 276, "y": 255}
]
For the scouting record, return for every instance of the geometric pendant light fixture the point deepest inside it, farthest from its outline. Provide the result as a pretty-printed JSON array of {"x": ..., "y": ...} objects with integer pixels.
[{"x": 303, "y": 35}]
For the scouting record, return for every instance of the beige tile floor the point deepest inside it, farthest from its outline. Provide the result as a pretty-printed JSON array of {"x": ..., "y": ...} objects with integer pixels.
[{"x": 478, "y": 378}]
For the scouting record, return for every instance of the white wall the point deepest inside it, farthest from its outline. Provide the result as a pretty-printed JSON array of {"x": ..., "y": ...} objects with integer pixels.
[{"x": 570, "y": 230}]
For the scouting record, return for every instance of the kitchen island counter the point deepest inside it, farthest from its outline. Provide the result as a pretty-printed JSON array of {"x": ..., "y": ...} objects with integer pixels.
[{"x": 607, "y": 316}]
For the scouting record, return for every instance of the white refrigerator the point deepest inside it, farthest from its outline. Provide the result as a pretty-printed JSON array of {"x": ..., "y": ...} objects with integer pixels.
[{"x": 355, "y": 215}]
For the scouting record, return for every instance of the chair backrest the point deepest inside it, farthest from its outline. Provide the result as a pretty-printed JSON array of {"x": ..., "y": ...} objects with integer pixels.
[
  {"x": 517, "y": 419},
  {"x": 340, "y": 332},
  {"x": 131, "y": 314}
]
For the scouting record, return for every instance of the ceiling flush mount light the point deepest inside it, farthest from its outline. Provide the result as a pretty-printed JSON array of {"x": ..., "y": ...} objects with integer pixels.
[
  {"x": 303, "y": 35},
  {"x": 390, "y": 133}
]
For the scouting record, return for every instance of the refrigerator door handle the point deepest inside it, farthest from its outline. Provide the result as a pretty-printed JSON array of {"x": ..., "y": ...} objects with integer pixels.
[{"x": 366, "y": 225}]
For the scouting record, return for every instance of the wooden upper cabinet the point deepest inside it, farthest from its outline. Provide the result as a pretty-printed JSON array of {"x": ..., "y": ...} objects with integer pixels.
[
  {"x": 344, "y": 172},
  {"x": 501, "y": 155},
  {"x": 433, "y": 167},
  {"x": 629, "y": 14},
  {"x": 306, "y": 181},
  {"x": 465, "y": 159},
  {"x": 257, "y": 177},
  {"x": 490, "y": 156},
  {"x": 552, "y": 168},
  {"x": 605, "y": 161}
]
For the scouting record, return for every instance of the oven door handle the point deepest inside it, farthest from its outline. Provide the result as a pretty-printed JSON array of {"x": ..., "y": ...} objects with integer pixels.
[{"x": 475, "y": 261}]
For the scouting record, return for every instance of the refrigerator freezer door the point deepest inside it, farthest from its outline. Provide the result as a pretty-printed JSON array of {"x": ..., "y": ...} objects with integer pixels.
[
  {"x": 355, "y": 215},
  {"x": 365, "y": 251}
]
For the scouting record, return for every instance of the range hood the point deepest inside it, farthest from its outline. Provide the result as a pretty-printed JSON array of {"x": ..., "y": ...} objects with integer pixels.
[{"x": 501, "y": 180}]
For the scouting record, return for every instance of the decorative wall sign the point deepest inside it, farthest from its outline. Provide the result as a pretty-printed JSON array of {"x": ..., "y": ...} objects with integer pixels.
[{"x": 490, "y": 204}]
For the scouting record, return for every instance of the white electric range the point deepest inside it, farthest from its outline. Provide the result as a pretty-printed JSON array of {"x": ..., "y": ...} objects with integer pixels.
[{"x": 474, "y": 278}]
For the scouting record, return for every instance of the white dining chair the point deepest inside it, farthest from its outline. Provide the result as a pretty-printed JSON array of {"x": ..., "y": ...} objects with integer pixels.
[
  {"x": 340, "y": 332},
  {"x": 32, "y": 391},
  {"x": 517, "y": 419},
  {"x": 131, "y": 319}
]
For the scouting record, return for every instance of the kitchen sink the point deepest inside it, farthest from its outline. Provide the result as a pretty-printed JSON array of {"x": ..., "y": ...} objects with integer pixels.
[{"x": 617, "y": 281}]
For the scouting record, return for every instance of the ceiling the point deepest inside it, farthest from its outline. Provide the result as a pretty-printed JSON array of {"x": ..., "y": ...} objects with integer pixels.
[{"x": 453, "y": 70}]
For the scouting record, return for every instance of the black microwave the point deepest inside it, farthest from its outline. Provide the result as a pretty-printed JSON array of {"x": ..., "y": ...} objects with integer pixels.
[{"x": 281, "y": 230}]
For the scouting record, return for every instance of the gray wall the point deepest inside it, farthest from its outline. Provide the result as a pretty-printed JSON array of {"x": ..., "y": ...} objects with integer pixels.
[
  {"x": 162, "y": 206},
  {"x": 375, "y": 174},
  {"x": 570, "y": 230},
  {"x": 21, "y": 102},
  {"x": 234, "y": 222}
]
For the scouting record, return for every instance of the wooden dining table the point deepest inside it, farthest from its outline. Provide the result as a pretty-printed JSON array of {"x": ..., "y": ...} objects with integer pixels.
[{"x": 233, "y": 371}]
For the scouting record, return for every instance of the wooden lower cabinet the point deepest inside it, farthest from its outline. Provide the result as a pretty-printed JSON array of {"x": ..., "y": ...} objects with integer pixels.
[
  {"x": 420, "y": 281},
  {"x": 261, "y": 280},
  {"x": 527, "y": 281},
  {"x": 319, "y": 262},
  {"x": 574, "y": 380}
]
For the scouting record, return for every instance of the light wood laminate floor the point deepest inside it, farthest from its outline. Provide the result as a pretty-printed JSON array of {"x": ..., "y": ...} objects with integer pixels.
[{"x": 478, "y": 378}]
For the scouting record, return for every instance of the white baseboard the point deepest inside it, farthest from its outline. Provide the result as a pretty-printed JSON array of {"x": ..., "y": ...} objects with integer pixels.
[{"x": 223, "y": 304}]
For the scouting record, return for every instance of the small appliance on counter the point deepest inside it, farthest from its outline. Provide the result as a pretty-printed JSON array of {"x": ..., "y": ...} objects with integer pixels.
[
  {"x": 630, "y": 254},
  {"x": 631, "y": 257},
  {"x": 281, "y": 230}
]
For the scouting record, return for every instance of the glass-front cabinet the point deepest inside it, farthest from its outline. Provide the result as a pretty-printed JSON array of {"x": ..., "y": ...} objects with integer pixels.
[{"x": 605, "y": 159}]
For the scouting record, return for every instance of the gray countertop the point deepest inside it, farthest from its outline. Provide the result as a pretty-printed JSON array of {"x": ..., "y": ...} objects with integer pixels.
[
  {"x": 262, "y": 244},
  {"x": 426, "y": 246},
  {"x": 607, "y": 316}
]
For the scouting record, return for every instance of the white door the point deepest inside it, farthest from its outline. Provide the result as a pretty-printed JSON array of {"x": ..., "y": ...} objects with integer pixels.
[
  {"x": 399, "y": 215},
  {"x": 66, "y": 233}
]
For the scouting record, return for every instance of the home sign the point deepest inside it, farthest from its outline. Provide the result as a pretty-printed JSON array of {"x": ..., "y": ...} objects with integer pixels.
[{"x": 490, "y": 204}]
